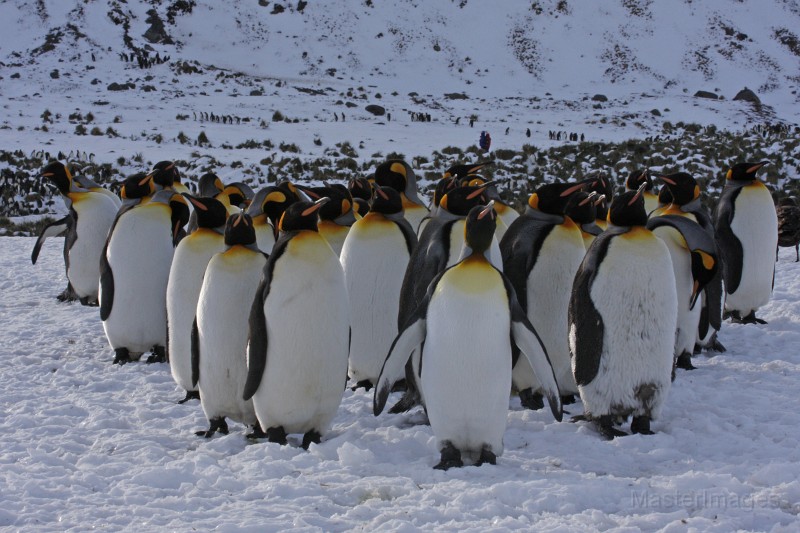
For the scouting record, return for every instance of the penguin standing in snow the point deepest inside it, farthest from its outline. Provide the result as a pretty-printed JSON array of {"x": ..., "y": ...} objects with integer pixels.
[
  {"x": 374, "y": 258},
  {"x": 466, "y": 370},
  {"x": 542, "y": 251},
  {"x": 747, "y": 231},
  {"x": 399, "y": 175},
  {"x": 219, "y": 333},
  {"x": 266, "y": 209},
  {"x": 134, "y": 271},
  {"x": 183, "y": 288},
  {"x": 299, "y": 332},
  {"x": 622, "y": 317},
  {"x": 91, "y": 214}
]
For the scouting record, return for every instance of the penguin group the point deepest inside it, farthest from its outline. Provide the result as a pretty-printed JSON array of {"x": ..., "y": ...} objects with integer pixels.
[{"x": 267, "y": 305}]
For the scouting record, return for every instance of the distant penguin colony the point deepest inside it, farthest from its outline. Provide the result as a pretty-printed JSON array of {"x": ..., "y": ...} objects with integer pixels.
[{"x": 268, "y": 305}]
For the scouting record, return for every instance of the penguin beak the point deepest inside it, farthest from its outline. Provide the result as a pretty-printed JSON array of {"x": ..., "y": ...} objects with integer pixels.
[
  {"x": 668, "y": 181},
  {"x": 319, "y": 203},
  {"x": 486, "y": 210},
  {"x": 479, "y": 191},
  {"x": 575, "y": 188},
  {"x": 600, "y": 199},
  {"x": 757, "y": 166},
  {"x": 307, "y": 195},
  {"x": 197, "y": 204},
  {"x": 639, "y": 192},
  {"x": 380, "y": 193},
  {"x": 588, "y": 199}
]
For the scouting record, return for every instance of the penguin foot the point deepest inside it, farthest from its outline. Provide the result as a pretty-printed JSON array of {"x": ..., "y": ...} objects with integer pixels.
[
  {"x": 159, "y": 355},
  {"x": 365, "y": 383},
  {"x": 215, "y": 425},
  {"x": 400, "y": 386},
  {"x": 67, "y": 295},
  {"x": 697, "y": 349},
  {"x": 487, "y": 457},
  {"x": 684, "y": 361},
  {"x": 714, "y": 345},
  {"x": 311, "y": 437},
  {"x": 257, "y": 433},
  {"x": 605, "y": 425},
  {"x": 752, "y": 319},
  {"x": 579, "y": 418},
  {"x": 450, "y": 458},
  {"x": 190, "y": 395},
  {"x": 410, "y": 399},
  {"x": 641, "y": 425},
  {"x": 277, "y": 435},
  {"x": 531, "y": 400},
  {"x": 567, "y": 399},
  {"x": 121, "y": 356}
]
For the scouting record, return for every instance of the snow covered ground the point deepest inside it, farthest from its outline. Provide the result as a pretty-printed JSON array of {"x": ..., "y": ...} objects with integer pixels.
[{"x": 88, "y": 445}]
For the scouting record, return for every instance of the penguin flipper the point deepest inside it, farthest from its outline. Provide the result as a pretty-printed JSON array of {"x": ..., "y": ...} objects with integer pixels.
[
  {"x": 106, "y": 285},
  {"x": 257, "y": 344},
  {"x": 729, "y": 243},
  {"x": 394, "y": 366},
  {"x": 54, "y": 229},
  {"x": 195, "y": 353}
]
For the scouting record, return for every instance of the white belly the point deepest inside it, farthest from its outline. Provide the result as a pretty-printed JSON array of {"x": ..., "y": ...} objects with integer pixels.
[
  {"x": 414, "y": 214},
  {"x": 265, "y": 238},
  {"x": 183, "y": 289},
  {"x": 96, "y": 213},
  {"x": 466, "y": 370},
  {"x": 755, "y": 223},
  {"x": 639, "y": 313},
  {"x": 222, "y": 322},
  {"x": 140, "y": 254},
  {"x": 308, "y": 327},
  {"x": 374, "y": 259},
  {"x": 548, "y": 292}
]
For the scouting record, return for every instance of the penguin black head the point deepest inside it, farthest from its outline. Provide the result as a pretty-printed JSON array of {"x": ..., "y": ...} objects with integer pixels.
[
  {"x": 138, "y": 186},
  {"x": 301, "y": 215},
  {"x": 744, "y": 171},
  {"x": 581, "y": 207},
  {"x": 682, "y": 186},
  {"x": 360, "y": 188},
  {"x": 211, "y": 213},
  {"x": 180, "y": 211},
  {"x": 637, "y": 177},
  {"x": 480, "y": 227},
  {"x": 209, "y": 185},
  {"x": 627, "y": 209},
  {"x": 340, "y": 205},
  {"x": 240, "y": 230},
  {"x": 164, "y": 174},
  {"x": 461, "y": 200},
  {"x": 387, "y": 201},
  {"x": 394, "y": 173},
  {"x": 461, "y": 171},
  {"x": 239, "y": 194},
  {"x": 664, "y": 196},
  {"x": 598, "y": 181},
  {"x": 272, "y": 201},
  {"x": 443, "y": 186},
  {"x": 552, "y": 198},
  {"x": 58, "y": 173}
]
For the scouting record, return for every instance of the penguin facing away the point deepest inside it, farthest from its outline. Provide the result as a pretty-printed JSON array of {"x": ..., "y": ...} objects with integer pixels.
[
  {"x": 374, "y": 258},
  {"x": 219, "y": 333},
  {"x": 133, "y": 284},
  {"x": 299, "y": 332},
  {"x": 747, "y": 231},
  {"x": 399, "y": 175},
  {"x": 465, "y": 372},
  {"x": 183, "y": 287}
]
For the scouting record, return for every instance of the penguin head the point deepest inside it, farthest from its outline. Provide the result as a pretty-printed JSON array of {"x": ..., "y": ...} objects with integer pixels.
[
  {"x": 476, "y": 180},
  {"x": 636, "y": 178},
  {"x": 461, "y": 200},
  {"x": 443, "y": 186},
  {"x": 211, "y": 213},
  {"x": 340, "y": 207},
  {"x": 480, "y": 227},
  {"x": 682, "y": 186},
  {"x": 360, "y": 188},
  {"x": 387, "y": 201},
  {"x": 272, "y": 201},
  {"x": 664, "y": 196},
  {"x": 58, "y": 173},
  {"x": 138, "y": 186},
  {"x": 581, "y": 207},
  {"x": 165, "y": 174},
  {"x": 180, "y": 211},
  {"x": 600, "y": 182},
  {"x": 744, "y": 171},
  {"x": 399, "y": 175},
  {"x": 239, "y": 194},
  {"x": 552, "y": 198},
  {"x": 627, "y": 209},
  {"x": 301, "y": 215},
  {"x": 461, "y": 171},
  {"x": 209, "y": 185},
  {"x": 239, "y": 229}
]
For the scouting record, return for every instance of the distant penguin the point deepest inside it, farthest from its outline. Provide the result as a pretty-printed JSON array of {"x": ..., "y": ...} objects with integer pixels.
[
  {"x": 183, "y": 288},
  {"x": 747, "y": 231},
  {"x": 219, "y": 334},
  {"x": 91, "y": 215},
  {"x": 299, "y": 332},
  {"x": 374, "y": 258},
  {"x": 635, "y": 180},
  {"x": 399, "y": 175},
  {"x": 467, "y": 323},
  {"x": 266, "y": 209},
  {"x": 541, "y": 252},
  {"x": 336, "y": 216},
  {"x": 134, "y": 271}
]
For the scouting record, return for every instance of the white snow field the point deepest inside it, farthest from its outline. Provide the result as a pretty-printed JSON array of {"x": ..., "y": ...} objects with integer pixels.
[{"x": 87, "y": 445}]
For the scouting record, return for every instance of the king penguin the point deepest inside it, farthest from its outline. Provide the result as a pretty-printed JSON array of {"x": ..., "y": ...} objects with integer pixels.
[
  {"x": 219, "y": 333},
  {"x": 582, "y": 209},
  {"x": 167, "y": 177},
  {"x": 374, "y": 258},
  {"x": 134, "y": 271},
  {"x": 361, "y": 190},
  {"x": 635, "y": 180},
  {"x": 399, "y": 175},
  {"x": 602, "y": 185},
  {"x": 541, "y": 252},
  {"x": 747, "y": 231},
  {"x": 299, "y": 332},
  {"x": 91, "y": 215},
  {"x": 183, "y": 288},
  {"x": 266, "y": 209},
  {"x": 465, "y": 372},
  {"x": 335, "y": 216}
]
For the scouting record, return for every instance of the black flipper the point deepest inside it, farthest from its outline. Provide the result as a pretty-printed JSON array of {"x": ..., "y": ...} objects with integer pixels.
[
  {"x": 106, "y": 275},
  {"x": 729, "y": 244},
  {"x": 195, "y": 343},
  {"x": 54, "y": 229}
]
